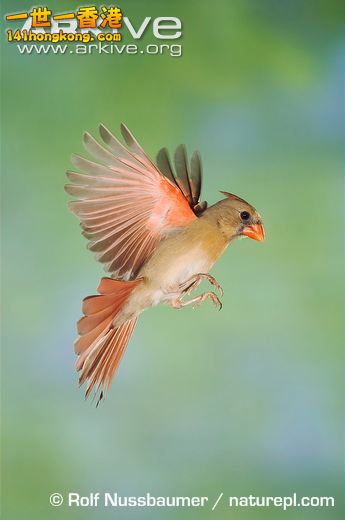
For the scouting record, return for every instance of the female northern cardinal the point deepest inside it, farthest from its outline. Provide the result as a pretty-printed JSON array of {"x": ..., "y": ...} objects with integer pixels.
[{"x": 154, "y": 235}]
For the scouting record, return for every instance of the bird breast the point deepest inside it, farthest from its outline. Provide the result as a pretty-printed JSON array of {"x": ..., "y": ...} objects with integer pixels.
[
  {"x": 186, "y": 265},
  {"x": 169, "y": 274},
  {"x": 179, "y": 257},
  {"x": 176, "y": 259}
]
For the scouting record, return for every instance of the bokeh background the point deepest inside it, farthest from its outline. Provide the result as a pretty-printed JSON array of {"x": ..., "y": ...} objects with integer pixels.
[{"x": 245, "y": 401}]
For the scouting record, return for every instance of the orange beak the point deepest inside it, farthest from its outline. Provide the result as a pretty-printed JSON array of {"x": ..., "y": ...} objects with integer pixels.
[{"x": 255, "y": 231}]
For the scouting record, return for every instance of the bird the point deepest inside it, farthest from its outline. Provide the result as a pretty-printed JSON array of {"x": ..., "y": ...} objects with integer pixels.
[{"x": 146, "y": 222}]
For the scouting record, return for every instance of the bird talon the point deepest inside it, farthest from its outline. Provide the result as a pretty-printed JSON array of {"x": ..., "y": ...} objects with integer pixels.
[
  {"x": 214, "y": 282},
  {"x": 216, "y": 301}
]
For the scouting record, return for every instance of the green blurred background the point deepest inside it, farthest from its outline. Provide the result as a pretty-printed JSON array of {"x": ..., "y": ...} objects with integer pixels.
[{"x": 245, "y": 401}]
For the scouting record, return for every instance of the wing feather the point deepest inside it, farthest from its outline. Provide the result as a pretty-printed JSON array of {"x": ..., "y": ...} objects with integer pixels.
[
  {"x": 182, "y": 170},
  {"x": 195, "y": 177},
  {"x": 187, "y": 178},
  {"x": 124, "y": 203},
  {"x": 135, "y": 147},
  {"x": 164, "y": 164}
]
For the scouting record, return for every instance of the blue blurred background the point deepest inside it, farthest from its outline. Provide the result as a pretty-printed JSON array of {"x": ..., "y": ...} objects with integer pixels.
[{"x": 245, "y": 401}]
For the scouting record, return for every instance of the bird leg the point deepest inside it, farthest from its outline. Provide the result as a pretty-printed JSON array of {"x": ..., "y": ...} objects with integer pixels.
[
  {"x": 178, "y": 303},
  {"x": 192, "y": 283}
]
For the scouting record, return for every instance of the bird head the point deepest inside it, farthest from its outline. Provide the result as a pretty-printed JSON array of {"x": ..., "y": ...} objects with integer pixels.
[{"x": 237, "y": 218}]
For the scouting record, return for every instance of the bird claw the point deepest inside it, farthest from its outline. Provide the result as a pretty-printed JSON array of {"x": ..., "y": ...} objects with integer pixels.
[
  {"x": 216, "y": 301},
  {"x": 214, "y": 282},
  {"x": 208, "y": 295},
  {"x": 194, "y": 282}
]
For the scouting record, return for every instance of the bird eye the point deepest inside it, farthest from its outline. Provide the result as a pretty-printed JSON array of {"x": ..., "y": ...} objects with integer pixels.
[{"x": 245, "y": 215}]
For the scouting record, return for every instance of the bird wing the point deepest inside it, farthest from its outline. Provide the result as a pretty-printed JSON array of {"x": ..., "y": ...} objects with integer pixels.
[
  {"x": 187, "y": 177},
  {"x": 124, "y": 203}
]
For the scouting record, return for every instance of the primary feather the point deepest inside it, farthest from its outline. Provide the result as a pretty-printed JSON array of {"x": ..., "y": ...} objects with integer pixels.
[{"x": 125, "y": 203}]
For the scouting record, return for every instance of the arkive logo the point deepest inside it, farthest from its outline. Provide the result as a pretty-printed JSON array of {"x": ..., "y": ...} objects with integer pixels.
[
  {"x": 90, "y": 24},
  {"x": 163, "y": 27}
]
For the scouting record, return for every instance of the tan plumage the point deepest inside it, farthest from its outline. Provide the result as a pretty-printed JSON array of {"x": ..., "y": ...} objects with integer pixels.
[{"x": 148, "y": 226}]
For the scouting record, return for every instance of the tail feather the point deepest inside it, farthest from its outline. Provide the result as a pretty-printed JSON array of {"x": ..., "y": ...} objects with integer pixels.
[
  {"x": 87, "y": 324},
  {"x": 100, "y": 346},
  {"x": 113, "y": 361},
  {"x": 100, "y": 369},
  {"x": 93, "y": 304},
  {"x": 86, "y": 340}
]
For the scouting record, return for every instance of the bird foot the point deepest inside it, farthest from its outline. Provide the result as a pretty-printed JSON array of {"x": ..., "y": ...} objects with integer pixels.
[
  {"x": 198, "y": 300},
  {"x": 192, "y": 283}
]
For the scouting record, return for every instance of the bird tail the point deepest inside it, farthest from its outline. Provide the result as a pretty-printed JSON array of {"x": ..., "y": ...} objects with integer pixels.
[{"x": 100, "y": 346}]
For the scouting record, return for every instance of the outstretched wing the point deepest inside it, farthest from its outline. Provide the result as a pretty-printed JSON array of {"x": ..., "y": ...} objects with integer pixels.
[
  {"x": 124, "y": 203},
  {"x": 187, "y": 178}
]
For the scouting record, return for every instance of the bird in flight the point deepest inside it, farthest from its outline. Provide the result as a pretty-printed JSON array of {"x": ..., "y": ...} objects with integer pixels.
[{"x": 156, "y": 238}]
